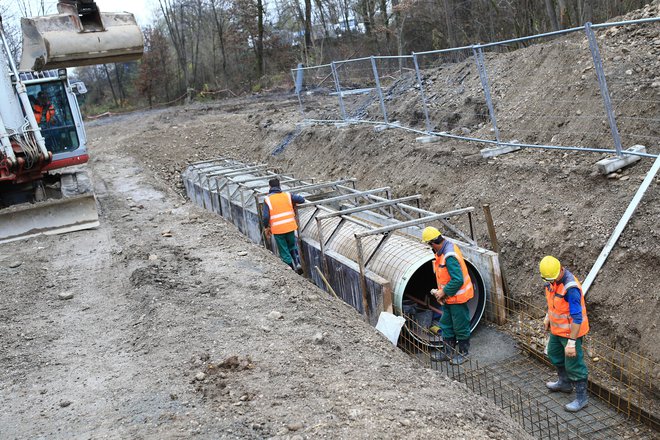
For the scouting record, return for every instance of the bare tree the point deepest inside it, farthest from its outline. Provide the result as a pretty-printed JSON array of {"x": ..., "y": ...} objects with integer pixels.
[{"x": 552, "y": 15}]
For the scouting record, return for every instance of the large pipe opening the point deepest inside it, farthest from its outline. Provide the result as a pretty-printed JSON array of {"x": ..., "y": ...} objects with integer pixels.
[{"x": 417, "y": 303}]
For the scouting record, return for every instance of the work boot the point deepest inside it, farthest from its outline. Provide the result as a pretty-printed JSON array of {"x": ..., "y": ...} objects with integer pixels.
[
  {"x": 446, "y": 353},
  {"x": 581, "y": 397},
  {"x": 299, "y": 269},
  {"x": 562, "y": 384},
  {"x": 462, "y": 354}
]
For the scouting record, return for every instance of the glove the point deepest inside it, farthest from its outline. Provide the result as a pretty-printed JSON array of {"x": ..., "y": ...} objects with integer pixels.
[
  {"x": 546, "y": 323},
  {"x": 569, "y": 350},
  {"x": 268, "y": 233},
  {"x": 438, "y": 294}
]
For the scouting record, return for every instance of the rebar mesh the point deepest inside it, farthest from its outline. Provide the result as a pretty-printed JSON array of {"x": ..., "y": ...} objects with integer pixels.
[{"x": 623, "y": 394}]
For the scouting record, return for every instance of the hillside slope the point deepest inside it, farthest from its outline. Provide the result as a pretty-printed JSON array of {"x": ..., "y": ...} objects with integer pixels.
[{"x": 543, "y": 202}]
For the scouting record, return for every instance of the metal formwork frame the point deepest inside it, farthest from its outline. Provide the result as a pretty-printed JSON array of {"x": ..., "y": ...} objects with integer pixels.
[
  {"x": 311, "y": 186},
  {"x": 387, "y": 231},
  {"x": 371, "y": 206},
  {"x": 423, "y": 212},
  {"x": 351, "y": 195}
]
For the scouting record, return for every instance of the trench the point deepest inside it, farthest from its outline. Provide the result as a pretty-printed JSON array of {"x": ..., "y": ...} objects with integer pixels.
[
  {"x": 366, "y": 244},
  {"x": 366, "y": 247}
]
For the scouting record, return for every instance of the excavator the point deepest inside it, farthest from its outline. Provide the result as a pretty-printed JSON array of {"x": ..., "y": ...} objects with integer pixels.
[{"x": 42, "y": 138}]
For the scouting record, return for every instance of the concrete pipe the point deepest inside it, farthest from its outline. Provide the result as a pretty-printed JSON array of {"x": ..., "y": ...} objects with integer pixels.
[{"x": 403, "y": 260}]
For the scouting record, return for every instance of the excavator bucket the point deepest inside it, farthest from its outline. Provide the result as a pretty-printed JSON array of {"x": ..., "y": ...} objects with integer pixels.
[
  {"x": 75, "y": 211},
  {"x": 78, "y": 38}
]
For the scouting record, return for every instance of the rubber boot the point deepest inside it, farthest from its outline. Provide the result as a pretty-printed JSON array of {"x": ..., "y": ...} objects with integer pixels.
[
  {"x": 462, "y": 354},
  {"x": 446, "y": 353},
  {"x": 562, "y": 384},
  {"x": 581, "y": 397}
]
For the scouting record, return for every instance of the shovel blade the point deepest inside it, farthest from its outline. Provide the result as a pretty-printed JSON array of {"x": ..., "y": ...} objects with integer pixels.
[{"x": 51, "y": 217}]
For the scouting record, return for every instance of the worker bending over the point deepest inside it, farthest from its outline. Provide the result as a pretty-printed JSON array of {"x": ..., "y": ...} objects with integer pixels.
[
  {"x": 568, "y": 323},
  {"x": 453, "y": 292}
]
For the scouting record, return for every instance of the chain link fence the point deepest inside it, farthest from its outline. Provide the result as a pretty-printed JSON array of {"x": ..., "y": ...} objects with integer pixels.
[{"x": 601, "y": 97}]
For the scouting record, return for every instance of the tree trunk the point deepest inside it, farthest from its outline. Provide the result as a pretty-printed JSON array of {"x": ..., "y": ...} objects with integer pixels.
[
  {"x": 564, "y": 14},
  {"x": 112, "y": 89},
  {"x": 308, "y": 23},
  {"x": 261, "y": 68},
  {"x": 552, "y": 15},
  {"x": 585, "y": 11},
  {"x": 221, "y": 36},
  {"x": 346, "y": 22},
  {"x": 319, "y": 6},
  {"x": 386, "y": 21},
  {"x": 177, "y": 36},
  {"x": 449, "y": 20},
  {"x": 120, "y": 87}
]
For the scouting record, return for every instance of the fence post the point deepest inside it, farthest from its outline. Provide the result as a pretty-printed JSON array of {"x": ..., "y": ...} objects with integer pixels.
[
  {"x": 378, "y": 89},
  {"x": 602, "y": 82},
  {"x": 335, "y": 76},
  {"x": 422, "y": 93},
  {"x": 483, "y": 75},
  {"x": 298, "y": 81}
]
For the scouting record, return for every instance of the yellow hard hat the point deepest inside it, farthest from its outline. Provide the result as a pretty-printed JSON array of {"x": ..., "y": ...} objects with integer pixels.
[
  {"x": 430, "y": 233},
  {"x": 549, "y": 268}
]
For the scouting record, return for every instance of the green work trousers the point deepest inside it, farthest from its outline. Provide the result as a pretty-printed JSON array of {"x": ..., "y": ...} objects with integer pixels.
[
  {"x": 575, "y": 367},
  {"x": 286, "y": 246},
  {"x": 455, "y": 321}
]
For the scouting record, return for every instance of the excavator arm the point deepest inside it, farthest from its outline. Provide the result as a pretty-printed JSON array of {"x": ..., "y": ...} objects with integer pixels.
[{"x": 79, "y": 35}]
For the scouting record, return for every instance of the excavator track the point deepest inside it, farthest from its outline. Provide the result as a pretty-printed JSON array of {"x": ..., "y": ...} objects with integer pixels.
[{"x": 74, "y": 211}]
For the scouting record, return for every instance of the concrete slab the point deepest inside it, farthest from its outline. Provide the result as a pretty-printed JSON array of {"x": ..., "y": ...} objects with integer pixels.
[
  {"x": 428, "y": 139},
  {"x": 489, "y": 346},
  {"x": 497, "y": 151},
  {"x": 383, "y": 127},
  {"x": 612, "y": 164}
]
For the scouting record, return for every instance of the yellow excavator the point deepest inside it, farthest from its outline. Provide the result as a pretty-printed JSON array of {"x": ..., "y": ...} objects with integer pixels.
[{"x": 41, "y": 128}]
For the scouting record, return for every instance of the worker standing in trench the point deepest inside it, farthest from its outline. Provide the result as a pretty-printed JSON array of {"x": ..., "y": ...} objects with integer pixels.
[
  {"x": 454, "y": 291},
  {"x": 567, "y": 321},
  {"x": 279, "y": 219}
]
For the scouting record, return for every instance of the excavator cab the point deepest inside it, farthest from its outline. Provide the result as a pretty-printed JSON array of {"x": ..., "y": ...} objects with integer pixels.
[{"x": 56, "y": 111}]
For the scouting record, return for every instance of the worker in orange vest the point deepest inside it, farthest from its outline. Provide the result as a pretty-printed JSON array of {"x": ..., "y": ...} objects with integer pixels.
[
  {"x": 279, "y": 219},
  {"x": 454, "y": 291},
  {"x": 567, "y": 321},
  {"x": 43, "y": 109}
]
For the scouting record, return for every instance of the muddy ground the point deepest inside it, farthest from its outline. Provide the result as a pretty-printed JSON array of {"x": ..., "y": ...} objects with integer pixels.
[
  {"x": 179, "y": 326},
  {"x": 202, "y": 332}
]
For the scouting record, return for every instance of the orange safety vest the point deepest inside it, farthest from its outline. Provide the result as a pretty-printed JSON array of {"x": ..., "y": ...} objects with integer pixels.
[
  {"x": 282, "y": 215},
  {"x": 559, "y": 309},
  {"x": 39, "y": 111},
  {"x": 466, "y": 292}
]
